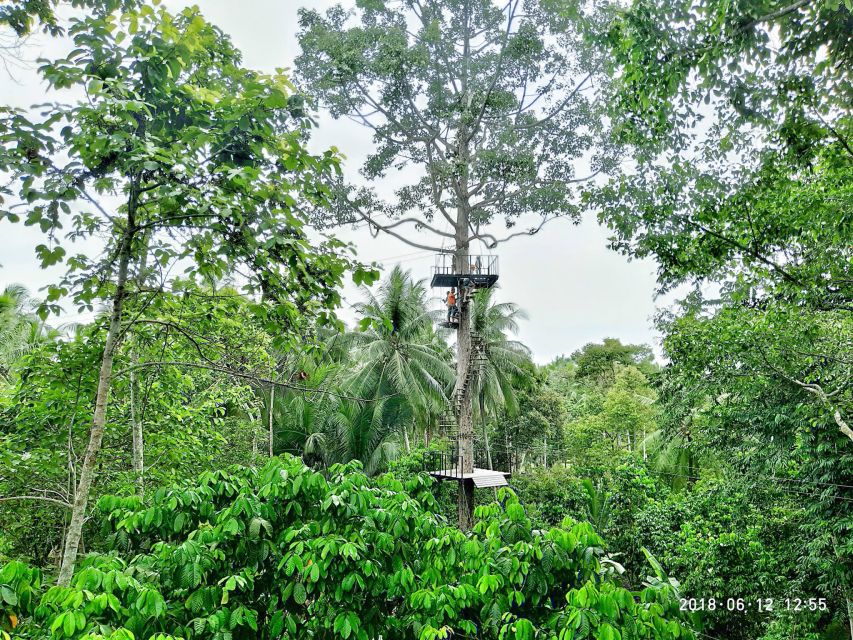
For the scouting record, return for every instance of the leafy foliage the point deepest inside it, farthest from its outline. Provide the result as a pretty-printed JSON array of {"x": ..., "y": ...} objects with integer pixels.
[
  {"x": 489, "y": 102},
  {"x": 282, "y": 551}
]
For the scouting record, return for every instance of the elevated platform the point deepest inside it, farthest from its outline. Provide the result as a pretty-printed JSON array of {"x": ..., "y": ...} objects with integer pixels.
[
  {"x": 449, "y": 465},
  {"x": 477, "y": 271},
  {"x": 459, "y": 279},
  {"x": 480, "y": 477}
]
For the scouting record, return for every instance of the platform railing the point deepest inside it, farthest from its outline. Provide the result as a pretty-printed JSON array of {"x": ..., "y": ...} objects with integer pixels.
[
  {"x": 452, "y": 464},
  {"x": 449, "y": 463},
  {"x": 471, "y": 265}
]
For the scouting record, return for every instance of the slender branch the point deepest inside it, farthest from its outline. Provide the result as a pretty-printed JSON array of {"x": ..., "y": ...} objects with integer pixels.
[
  {"x": 171, "y": 325},
  {"x": 61, "y": 503},
  {"x": 97, "y": 205},
  {"x": 774, "y": 14},
  {"x": 817, "y": 390},
  {"x": 250, "y": 377},
  {"x": 416, "y": 222},
  {"x": 511, "y": 9},
  {"x": 375, "y": 225},
  {"x": 162, "y": 221},
  {"x": 559, "y": 107},
  {"x": 750, "y": 252},
  {"x": 494, "y": 241}
]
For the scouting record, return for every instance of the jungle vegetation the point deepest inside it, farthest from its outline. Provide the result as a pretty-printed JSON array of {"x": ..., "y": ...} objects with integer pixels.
[{"x": 215, "y": 454}]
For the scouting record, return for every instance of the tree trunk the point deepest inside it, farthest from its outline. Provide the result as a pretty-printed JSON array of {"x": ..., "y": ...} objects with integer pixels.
[
  {"x": 136, "y": 429},
  {"x": 466, "y": 505},
  {"x": 96, "y": 433},
  {"x": 465, "y": 418},
  {"x": 272, "y": 403},
  {"x": 486, "y": 432},
  {"x": 254, "y": 428},
  {"x": 137, "y": 439},
  {"x": 850, "y": 615}
]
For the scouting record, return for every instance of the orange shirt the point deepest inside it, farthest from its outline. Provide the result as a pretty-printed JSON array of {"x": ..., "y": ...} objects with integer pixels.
[{"x": 451, "y": 299}]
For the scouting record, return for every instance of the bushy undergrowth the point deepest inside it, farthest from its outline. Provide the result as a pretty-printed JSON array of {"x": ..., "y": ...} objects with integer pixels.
[{"x": 286, "y": 552}]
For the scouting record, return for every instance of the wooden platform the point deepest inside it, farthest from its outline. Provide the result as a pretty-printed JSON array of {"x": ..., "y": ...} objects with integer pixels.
[
  {"x": 480, "y": 477},
  {"x": 455, "y": 279}
]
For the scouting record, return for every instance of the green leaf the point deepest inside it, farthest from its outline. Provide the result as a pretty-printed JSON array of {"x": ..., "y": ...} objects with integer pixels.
[{"x": 299, "y": 593}]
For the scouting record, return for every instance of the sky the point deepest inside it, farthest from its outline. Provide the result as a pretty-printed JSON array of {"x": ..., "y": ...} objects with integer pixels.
[{"x": 573, "y": 288}]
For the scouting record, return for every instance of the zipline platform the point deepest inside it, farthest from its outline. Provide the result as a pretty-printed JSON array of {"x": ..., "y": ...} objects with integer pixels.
[
  {"x": 474, "y": 271},
  {"x": 449, "y": 465},
  {"x": 480, "y": 477}
]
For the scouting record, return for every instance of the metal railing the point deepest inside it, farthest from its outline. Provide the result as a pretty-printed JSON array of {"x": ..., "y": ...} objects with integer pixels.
[
  {"x": 471, "y": 265},
  {"x": 451, "y": 464}
]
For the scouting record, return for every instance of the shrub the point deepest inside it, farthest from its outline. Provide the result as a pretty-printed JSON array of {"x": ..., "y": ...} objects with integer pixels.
[{"x": 285, "y": 552}]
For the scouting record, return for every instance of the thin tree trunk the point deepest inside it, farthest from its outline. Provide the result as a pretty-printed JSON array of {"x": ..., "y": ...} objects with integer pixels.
[
  {"x": 96, "y": 433},
  {"x": 508, "y": 452},
  {"x": 850, "y": 615},
  {"x": 138, "y": 453},
  {"x": 466, "y": 504},
  {"x": 137, "y": 436},
  {"x": 272, "y": 403},
  {"x": 254, "y": 439}
]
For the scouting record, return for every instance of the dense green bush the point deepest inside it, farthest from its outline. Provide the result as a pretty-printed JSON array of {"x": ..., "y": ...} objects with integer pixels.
[
  {"x": 549, "y": 495},
  {"x": 722, "y": 541},
  {"x": 286, "y": 552}
]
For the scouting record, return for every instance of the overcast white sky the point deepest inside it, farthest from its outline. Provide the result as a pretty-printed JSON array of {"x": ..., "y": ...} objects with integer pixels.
[{"x": 574, "y": 289}]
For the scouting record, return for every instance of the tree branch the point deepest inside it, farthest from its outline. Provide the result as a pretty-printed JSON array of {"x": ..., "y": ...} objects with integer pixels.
[
  {"x": 417, "y": 222},
  {"x": 61, "y": 503},
  {"x": 560, "y": 107},
  {"x": 251, "y": 377},
  {"x": 495, "y": 241}
]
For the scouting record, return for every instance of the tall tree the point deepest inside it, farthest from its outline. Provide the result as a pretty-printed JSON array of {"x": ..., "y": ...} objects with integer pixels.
[
  {"x": 758, "y": 200},
  {"x": 178, "y": 152},
  {"x": 491, "y": 107},
  {"x": 599, "y": 362}
]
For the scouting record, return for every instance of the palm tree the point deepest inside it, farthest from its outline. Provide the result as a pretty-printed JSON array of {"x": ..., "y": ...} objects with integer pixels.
[
  {"x": 20, "y": 329},
  {"x": 399, "y": 354},
  {"x": 503, "y": 362},
  {"x": 302, "y": 418},
  {"x": 369, "y": 430},
  {"x": 374, "y": 386}
]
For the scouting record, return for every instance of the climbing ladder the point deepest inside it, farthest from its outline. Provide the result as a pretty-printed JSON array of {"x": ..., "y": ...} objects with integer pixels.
[
  {"x": 448, "y": 421},
  {"x": 476, "y": 363},
  {"x": 466, "y": 274},
  {"x": 450, "y": 465}
]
